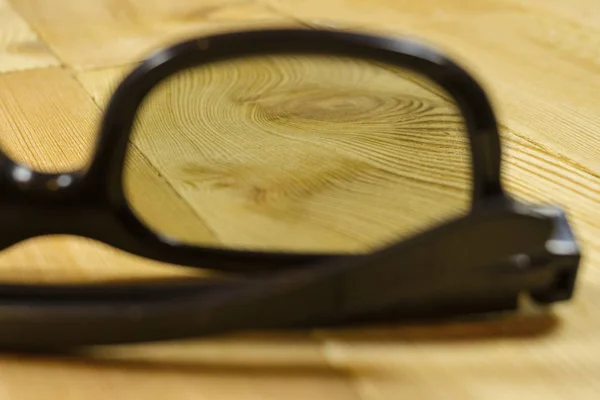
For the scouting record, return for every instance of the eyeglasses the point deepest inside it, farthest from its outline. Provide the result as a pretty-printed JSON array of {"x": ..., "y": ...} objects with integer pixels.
[{"x": 480, "y": 262}]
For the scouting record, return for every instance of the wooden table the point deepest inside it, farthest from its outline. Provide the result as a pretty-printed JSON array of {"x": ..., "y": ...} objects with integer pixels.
[{"x": 539, "y": 60}]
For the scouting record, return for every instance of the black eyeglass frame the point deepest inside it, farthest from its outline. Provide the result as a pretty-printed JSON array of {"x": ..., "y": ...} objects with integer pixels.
[{"x": 92, "y": 203}]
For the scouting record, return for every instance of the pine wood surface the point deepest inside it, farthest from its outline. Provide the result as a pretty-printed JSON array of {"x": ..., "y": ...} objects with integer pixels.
[{"x": 239, "y": 185}]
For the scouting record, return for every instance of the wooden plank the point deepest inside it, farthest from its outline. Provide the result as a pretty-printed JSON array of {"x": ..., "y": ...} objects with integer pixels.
[
  {"x": 47, "y": 120},
  {"x": 20, "y": 47},
  {"x": 538, "y": 57},
  {"x": 105, "y": 33}
]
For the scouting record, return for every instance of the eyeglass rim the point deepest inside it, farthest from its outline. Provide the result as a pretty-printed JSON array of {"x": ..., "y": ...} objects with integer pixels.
[
  {"x": 475, "y": 106},
  {"x": 102, "y": 182}
]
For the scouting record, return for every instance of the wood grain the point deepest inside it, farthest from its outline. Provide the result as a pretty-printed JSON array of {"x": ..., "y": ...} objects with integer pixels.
[
  {"x": 46, "y": 106},
  {"x": 20, "y": 47},
  {"x": 539, "y": 60},
  {"x": 311, "y": 153},
  {"x": 108, "y": 32}
]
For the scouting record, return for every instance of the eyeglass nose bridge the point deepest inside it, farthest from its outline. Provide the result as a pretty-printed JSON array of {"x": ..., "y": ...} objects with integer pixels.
[
  {"x": 32, "y": 184},
  {"x": 34, "y": 203}
]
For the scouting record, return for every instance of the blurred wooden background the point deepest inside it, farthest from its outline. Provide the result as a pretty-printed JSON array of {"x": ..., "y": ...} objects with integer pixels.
[{"x": 540, "y": 61}]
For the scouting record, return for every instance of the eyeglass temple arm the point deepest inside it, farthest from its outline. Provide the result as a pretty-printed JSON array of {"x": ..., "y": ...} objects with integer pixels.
[{"x": 478, "y": 263}]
